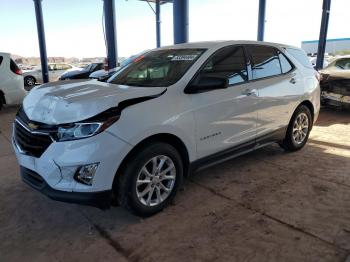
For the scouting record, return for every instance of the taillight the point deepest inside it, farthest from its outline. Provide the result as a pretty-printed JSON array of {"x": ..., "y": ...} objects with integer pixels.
[{"x": 18, "y": 72}]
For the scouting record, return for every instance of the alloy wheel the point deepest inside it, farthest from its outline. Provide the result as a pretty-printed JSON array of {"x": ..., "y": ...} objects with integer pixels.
[
  {"x": 30, "y": 81},
  {"x": 156, "y": 180},
  {"x": 300, "y": 128}
]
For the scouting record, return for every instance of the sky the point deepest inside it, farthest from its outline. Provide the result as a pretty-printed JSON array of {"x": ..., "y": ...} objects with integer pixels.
[{"x": 74, "y": 27}]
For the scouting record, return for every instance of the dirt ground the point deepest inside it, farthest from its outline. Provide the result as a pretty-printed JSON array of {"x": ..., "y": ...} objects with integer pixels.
[{"x": 265, "y": 206}]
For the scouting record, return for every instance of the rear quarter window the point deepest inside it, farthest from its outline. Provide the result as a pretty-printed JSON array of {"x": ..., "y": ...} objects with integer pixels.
[
  {"x": 1, "y": 58},
  {"x": 286, "y": 66},
  {"x": 14, "y": 67},
  {"x": 300, "y": 56}
]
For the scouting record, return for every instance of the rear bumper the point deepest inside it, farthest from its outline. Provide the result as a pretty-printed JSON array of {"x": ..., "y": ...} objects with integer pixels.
[{"x": 101, "y": 199}]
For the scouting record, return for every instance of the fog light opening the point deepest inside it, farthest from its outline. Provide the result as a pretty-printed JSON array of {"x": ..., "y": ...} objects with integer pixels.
[{"x": 85, "y": 174}]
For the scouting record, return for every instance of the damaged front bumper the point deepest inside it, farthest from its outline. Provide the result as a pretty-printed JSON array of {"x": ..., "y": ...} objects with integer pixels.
[{"x": 336, "y": 99}]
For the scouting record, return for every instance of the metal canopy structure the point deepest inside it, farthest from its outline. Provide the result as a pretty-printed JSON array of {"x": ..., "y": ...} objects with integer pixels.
[
  {"x": 42, "y": 41},
  {"x": 160, "y": 1},
  {"x": 110, "y": 31},
  {"x": 180, "y": 23},
  {"x": 261, "y": 20},
  {"x": 157, "y": 13},
  {"x": 323, "y": 33},
  {"x": 180, "y": 16}
]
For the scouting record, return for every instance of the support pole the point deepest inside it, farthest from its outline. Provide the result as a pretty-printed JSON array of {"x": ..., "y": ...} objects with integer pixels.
[
  {"x": 41, "y": 38},
  {"x": 180, "y": 16},
  {"x": 158, "y": 22},
  {"x": 323, "y": 34},
  {"x": 110, "y": 31},
  {"x": 261, "y": 20}
]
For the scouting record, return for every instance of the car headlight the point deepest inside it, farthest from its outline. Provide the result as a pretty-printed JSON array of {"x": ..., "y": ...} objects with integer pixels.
[
  {"x": 89, "y": 127},
  {"x": 77, "y": 131}
]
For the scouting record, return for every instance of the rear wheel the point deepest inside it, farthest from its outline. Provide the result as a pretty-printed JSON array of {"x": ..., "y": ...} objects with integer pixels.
[
  {"x": 298, "y": 130},
  {"x": 29, "y": 81},
  {"x": 150, "y": 179}
]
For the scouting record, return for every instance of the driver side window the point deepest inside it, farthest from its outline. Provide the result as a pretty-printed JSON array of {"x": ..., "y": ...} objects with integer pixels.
[{"x": 228, "y": 63}]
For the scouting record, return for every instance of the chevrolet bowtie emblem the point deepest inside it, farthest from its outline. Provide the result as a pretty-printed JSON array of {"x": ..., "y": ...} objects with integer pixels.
[{"x": 32, "y": 126}]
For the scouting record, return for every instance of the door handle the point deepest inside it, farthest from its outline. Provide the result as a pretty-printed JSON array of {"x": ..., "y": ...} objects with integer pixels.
[
  {"x": 292, "y": 80},
  {"x": 249, "y": 92}
]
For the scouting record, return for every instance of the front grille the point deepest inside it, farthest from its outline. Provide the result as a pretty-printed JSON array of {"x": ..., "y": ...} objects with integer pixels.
[{"x": 31, "y": 143}]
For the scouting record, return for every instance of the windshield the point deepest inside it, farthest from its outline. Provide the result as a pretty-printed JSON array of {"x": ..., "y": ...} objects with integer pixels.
[
  {"x": 157, "y": 68},
  {"x": 343, "y": 63},
  {"x": 87, "y": 67}
]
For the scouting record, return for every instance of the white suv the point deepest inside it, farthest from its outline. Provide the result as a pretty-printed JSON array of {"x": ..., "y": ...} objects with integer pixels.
[
  {"x": 170, "y": 112},
  {"x": 11, "y": 81}
]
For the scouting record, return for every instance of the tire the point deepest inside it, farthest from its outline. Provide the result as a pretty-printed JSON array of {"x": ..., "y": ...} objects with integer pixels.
[
  {"x": 1, "y": 102},
  {"x": 298, "y": 129},
  {"x": 29, "y": 81},
  {"x": 151, "y": 194}
]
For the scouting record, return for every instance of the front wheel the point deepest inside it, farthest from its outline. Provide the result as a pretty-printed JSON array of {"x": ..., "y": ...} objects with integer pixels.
[
  {"x": 298, "y": 130},
  {"x": 150, "y": 179}
]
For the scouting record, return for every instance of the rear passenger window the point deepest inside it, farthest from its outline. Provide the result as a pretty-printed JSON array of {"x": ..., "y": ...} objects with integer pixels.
[
  {"x": 13, "y": 66},
  {"x": 265, "y": 61},
  {"x": 229, "y": 63},
  {"x": 1, "y": 58},
  {"x": 285, "y": 64}
]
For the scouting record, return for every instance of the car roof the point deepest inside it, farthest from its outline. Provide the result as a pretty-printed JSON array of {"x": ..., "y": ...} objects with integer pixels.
[
  {"x": 218, "y": 44},
  {"x": 5, "y": 54}
]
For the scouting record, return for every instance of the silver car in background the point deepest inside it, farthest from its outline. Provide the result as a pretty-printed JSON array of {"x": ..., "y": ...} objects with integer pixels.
[{"x": 33, "y": 76}]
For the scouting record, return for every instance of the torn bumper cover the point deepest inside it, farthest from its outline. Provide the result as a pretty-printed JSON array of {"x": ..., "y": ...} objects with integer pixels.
[
  {"x": 100, "y": 199},
  {"x": 335, "y": 90},
  {"x": 339, "y": 98}
]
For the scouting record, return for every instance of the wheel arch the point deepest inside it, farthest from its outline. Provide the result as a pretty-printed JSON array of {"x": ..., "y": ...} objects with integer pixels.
[
  {"x": 167, "y": 138},
  {"x": 309, "y": 105}
]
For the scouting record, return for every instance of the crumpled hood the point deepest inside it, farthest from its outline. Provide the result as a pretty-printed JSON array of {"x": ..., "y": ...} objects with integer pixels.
[{"x": 76, "y": 100}]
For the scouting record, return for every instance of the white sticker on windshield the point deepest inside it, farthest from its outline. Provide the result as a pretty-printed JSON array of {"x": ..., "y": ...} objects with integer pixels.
[{"x": 184, "y": 58}]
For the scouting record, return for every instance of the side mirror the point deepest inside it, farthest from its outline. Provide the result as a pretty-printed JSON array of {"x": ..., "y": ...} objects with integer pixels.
[{"x": 206, "y": 83}]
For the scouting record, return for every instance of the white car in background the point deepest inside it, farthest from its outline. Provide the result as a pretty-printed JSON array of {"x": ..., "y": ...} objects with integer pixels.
[
  {"x": 170, "y": 112},
  {"x": 31, "y": 77},
  {"x": 11, "y": 81}
]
